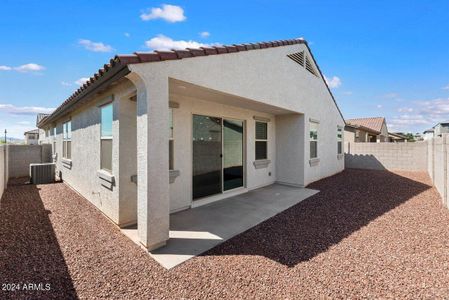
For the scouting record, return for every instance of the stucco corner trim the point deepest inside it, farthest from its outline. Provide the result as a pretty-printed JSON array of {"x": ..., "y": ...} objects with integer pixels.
[
  {"x": 173, "y": 175},
  {"x": 314, "y": 162},
  {"x": 67, "y": 163},
  {"x": 260, "y": 164},
  {"x": 340, "y": 156}
]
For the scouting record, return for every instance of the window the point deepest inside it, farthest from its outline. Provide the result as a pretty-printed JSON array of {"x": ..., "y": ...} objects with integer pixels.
[
  {"x": 261, "y": 140},
  {"x": 171, "y": 142},
  {"x": 313, "y": 129},
  {"x": 106, "y": 137},
  {"x": 339, "y": 140},
  {"x": 54, "y": 131},
  {"x": 67, "y": 143}
]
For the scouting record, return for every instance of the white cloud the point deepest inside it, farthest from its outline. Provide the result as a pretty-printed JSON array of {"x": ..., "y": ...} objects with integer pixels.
[
  {"x": 379, "y": 106},
  {"x": 391, "y": 95},
  {"x": 24, "y": 110},
  {"x": 204, "y": 34},
  {"x": 95, "y": 46},
  {"x": 127, "y": 34},
  {"x": 82, "y": 80},
  {"x": 31, "y": 67},
  {"x": 405, "y": 109},
  {"x": 333, "y": 82},
  {"x": 169, "y": 13},
  {"x": 162, "y": 42},
  {"x": 65, "y": 83},
  {"x": 24, "y": 123},
  {"x": 445, "y": 87}
]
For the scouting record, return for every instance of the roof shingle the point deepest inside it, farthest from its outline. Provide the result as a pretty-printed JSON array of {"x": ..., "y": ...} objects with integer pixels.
[{"x": 374, "y": 124}]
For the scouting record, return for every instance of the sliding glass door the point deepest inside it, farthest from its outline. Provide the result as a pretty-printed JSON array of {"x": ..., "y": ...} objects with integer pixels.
[
  {"x": 217, "y": 155},
  {"x": 207, "y": 151},
  {"x": 232, "y": 154}
]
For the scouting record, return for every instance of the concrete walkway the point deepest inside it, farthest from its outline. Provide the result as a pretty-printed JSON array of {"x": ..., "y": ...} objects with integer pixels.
[{"x": 197, "y": 230}]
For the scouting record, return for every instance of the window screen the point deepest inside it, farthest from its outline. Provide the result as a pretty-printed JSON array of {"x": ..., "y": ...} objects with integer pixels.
[
  {"x": 313, "y": 129},
  {"x": 261, "y": 140},
  {"x": 106, "y": 137}
]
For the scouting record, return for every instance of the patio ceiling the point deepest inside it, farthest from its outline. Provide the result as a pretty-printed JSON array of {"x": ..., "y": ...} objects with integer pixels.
[{"x": 183, "y": 88}]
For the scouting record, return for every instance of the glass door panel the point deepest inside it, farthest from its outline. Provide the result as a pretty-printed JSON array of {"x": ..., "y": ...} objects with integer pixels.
[
  {"x": 232, "y": 154},
  {"x": 207, "y": 156}
]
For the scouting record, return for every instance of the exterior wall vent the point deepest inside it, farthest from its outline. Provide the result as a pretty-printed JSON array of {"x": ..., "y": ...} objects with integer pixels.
[
  {"x": 297, "y": 57},
  {"x": 42, "y": 173},
  {"x": 310, "y": 67}
]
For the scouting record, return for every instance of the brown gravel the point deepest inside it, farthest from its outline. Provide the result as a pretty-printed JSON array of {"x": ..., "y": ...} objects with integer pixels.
[{"x": 367, "y": 234}]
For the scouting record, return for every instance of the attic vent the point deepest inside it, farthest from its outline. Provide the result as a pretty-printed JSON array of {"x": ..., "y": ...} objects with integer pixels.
[
  {"x": 310, "y": 67},
  {"x": 297, "y": 57}
]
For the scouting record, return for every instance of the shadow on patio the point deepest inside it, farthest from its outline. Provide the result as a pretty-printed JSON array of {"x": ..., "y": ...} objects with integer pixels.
[
  {"x": 346, "y": 203},
  {"x": 29, "y": 250}
]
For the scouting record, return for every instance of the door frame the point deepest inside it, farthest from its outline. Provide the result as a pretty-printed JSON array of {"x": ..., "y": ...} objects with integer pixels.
[{"x": 223, "y": 194}]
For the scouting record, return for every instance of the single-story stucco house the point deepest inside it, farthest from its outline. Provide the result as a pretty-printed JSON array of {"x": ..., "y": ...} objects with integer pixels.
[
  {"x": 151, "y": 134},
  {"x": 366, "y": 130}
]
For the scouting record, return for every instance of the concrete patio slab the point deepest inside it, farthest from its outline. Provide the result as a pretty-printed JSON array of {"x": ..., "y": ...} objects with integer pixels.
[{"x": 197, "y": 230}]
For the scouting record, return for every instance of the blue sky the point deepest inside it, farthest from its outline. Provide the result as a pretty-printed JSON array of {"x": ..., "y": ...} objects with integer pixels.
[{"x": 382, "y": 58}]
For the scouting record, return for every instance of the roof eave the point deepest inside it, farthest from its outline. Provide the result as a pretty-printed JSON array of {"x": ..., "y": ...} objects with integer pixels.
[{"x": 113, "y": 74}]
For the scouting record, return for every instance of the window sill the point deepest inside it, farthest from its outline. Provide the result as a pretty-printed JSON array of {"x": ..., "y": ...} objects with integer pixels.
[
  {"x": 314, "y": 162},
  {"x": 340, "y": 156},
  {"x": 261, "y": 163},
  {"x": 67, "y": 163},
  {"x": 106, "y": 179},
  {"x": 173, "y": 175}
]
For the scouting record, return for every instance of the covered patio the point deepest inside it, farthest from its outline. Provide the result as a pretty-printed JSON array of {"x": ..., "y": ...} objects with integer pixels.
[{"x": 197, "y": 230}]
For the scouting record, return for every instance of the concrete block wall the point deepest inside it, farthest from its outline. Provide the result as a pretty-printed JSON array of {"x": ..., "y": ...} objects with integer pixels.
[
  {"x": 21, "y": 156},
  {"x": 3, "y": 169},
  {"x": 386, "y": 156},
  {"x": 438, "y": 165}
]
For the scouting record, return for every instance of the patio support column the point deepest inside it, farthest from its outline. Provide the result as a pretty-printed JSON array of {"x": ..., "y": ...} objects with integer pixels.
[{"x": 153, "y": 202}]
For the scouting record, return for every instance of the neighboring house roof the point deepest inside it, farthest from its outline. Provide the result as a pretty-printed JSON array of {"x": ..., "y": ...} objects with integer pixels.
[
  {"x": 373, "y": 124},
  {"x": 32, "y": 131},
  {"x": 429, "y": 130},
  {"x": 117, "y": 68},
  {"x": 398, "y": 135},
  {"x": 441, "y": 123},
  {"x": 41, "y": 117},
  {"x": 361, "y": 128}
]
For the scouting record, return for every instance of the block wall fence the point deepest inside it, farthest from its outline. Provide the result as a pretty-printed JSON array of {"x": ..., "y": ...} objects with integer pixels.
[{"x": 431, "y": 156}]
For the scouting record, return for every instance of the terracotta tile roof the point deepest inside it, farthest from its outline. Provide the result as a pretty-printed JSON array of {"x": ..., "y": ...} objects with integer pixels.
[
  {"x": 117, "y": 68},
  {"x": 374, "y": 124}
]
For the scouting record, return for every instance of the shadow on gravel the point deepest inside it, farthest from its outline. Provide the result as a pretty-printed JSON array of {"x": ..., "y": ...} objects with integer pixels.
[
  {"x": 346, "y": 202},
  {"x": 30, "y": 256}
]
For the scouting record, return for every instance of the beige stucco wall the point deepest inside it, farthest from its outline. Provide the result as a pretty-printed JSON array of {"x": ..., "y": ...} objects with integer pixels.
[
  {"x": 181, "y": 188},
  {"x": 82, "y": 176},
  {"x": 269, "y": 77}
]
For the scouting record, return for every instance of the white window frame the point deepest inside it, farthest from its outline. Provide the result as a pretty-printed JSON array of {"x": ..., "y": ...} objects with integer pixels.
[
  {"x": 339, "y": 140},
  {"x": 260, "y": 140},
  {"x": 67, "y": 139},
  {"x": 102, "y": 138},
  {"x": 171, "y": 141},
  {"x": 313, "y": 138}
]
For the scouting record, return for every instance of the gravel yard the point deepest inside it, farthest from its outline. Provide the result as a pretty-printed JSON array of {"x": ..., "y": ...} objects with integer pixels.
[{"x": 367, "y": 234}]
